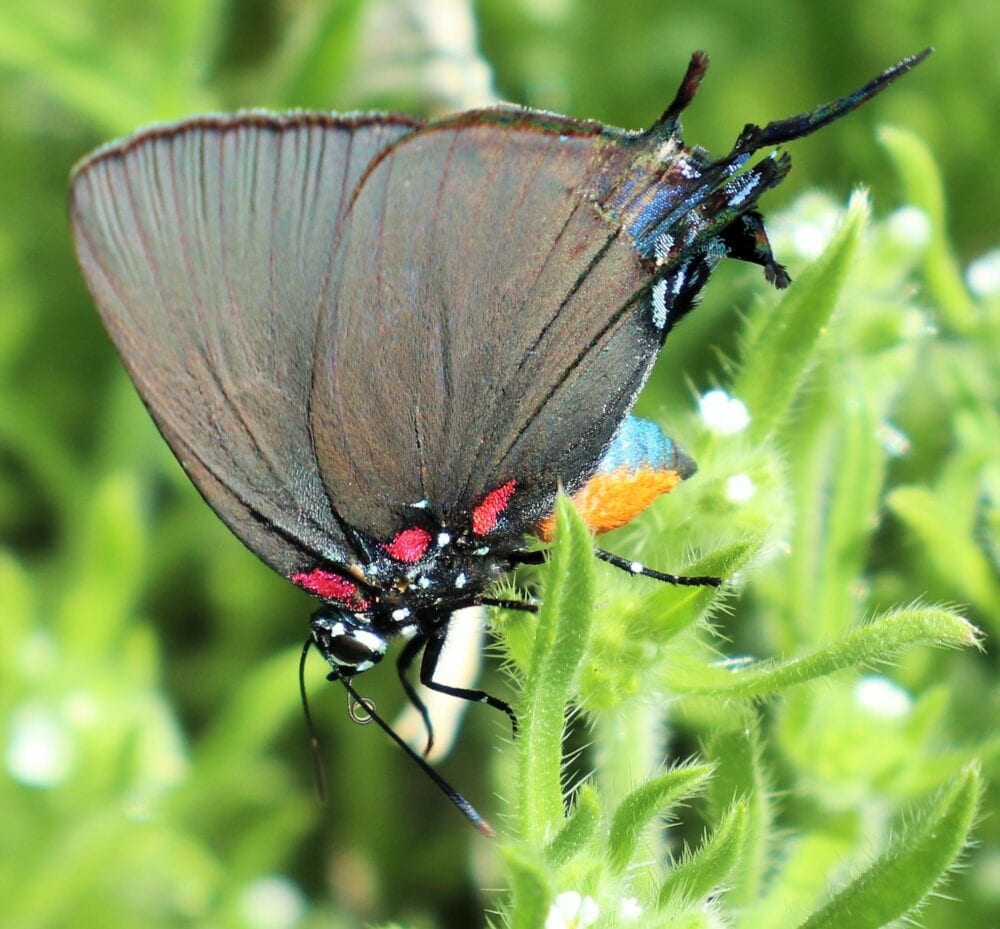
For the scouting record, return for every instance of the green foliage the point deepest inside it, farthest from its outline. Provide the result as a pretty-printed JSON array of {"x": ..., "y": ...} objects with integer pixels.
[
  {"x": 706, "y": 870},
  {"x": 636, "y": 811},
  {"x": 778, "y": 355},
  {"x": 795, "y": 749},
  {"x": 560, "y": 639},
  {"x": 910, "y": 866}
]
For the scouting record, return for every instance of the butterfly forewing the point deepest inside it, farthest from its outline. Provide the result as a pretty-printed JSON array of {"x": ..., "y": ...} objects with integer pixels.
[{"x": 208, "y": 247}]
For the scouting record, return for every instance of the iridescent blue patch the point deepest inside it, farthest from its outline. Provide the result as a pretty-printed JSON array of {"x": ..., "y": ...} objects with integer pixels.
[{"x": 642, "y": 443}]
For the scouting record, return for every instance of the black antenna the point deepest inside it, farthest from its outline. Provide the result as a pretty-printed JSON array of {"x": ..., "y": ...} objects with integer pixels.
[
  {"x": 470, "y": 812},
  {"x": 319, "y": 771},
  {"x": 795, "y": 127}
]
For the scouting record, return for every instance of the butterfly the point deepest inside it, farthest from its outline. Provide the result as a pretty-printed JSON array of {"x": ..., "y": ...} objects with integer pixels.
[{"x": 379, "y": 346}]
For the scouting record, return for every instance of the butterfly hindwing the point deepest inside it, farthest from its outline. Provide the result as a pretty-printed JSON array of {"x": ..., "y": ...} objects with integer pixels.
[{"x": 482, "y": 304}]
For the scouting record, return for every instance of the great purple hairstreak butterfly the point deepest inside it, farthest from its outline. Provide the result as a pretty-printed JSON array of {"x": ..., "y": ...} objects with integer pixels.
[{"x": 379, "y": 346}]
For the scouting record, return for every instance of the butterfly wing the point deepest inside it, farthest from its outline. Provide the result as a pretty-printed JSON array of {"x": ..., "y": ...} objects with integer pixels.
[
  {"x": 207, "y": 245},
  {"x": 487, "y": 320}
]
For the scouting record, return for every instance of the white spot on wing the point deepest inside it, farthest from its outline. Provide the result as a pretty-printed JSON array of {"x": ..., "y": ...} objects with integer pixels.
[
  {"x": 661, "y": 249},
  {"x": 679, "y": 278},
  {"x": 686, "y": 169},
  {"x": 738, "y": 190},
  {"x": 715, "y": 251},
  {"x": 660, "y": 304}
]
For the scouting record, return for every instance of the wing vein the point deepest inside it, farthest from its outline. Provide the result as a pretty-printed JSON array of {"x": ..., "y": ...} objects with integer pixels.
[{"x": 581, "y": 277}]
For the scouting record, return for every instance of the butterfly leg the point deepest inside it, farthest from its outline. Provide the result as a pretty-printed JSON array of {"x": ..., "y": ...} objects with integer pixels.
[
  {"x": 517, "y": 558},
  {"x": 632, "y": 567},
  {"x": 635, "y": 567},
  {"x": 521, "y": 605},
  {"x": 403, "y": 662},
  {"x": 531, "y": 556},
  {"x": 429, "y": 665}
]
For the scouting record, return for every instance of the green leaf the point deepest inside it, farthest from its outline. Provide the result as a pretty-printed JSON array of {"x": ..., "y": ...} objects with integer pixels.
[
  {"x": 847, "y": 507},
  {"x": 319, "y": 51},
  {"x": 18, "y": 608},
  {"x": 739, "y": 773},
  {"x": 922, "y": 185},
  {"x": 776, "y": 362},
  {"x": 189, "y": 34},
  {"x": 707, "y": 869},
  {"x": 111, "y": 547},
  {"x": 804, "y": 870},
  {"x": 668, "y": 610},
  {"x": 902, "y": 877},
  {"x": 579, "y": 829},
  {"x": 529, "y": 889},
  {"x": 654, "y": 797},
  {"x": 93, "y": 85},
  {"x": 952, "y": 551},
  {"x": 563, "y": 629},
  {"x": 876, "y": 641},
  {"x": 257, "y": 708},
  {"x": 111, "y": 83}
]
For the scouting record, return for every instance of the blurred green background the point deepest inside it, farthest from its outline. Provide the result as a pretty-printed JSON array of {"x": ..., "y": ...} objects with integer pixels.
[{"x": 156, "y": 769}]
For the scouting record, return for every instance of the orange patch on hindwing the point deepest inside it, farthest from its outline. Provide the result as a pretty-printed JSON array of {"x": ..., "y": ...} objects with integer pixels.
[{"x": 611, "y": 499}]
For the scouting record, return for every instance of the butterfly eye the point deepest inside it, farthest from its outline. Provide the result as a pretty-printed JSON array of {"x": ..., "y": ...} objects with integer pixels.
[{"x": 349, "y": 645}]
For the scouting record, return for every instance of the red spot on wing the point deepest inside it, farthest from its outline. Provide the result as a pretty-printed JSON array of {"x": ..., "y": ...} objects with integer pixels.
[
  {"x": 485, "y": 516},
  {"x": 332, "y": 586},
  {"x": 410, "y": 545}
]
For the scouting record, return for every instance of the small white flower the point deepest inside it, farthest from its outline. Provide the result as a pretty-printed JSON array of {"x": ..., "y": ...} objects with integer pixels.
[
  {"x": 882, "y": 697},
  {"x": 272, "y": 902},
  {"x": 740, "y": 488},
  {"x": 629, "y": 909},
  {"x": 910, "y": 226},
  {"x": 894, "y": 442},
  {"x": 40, "y": 752},
  {"x": 810, "y": 238},
  {"x": 571, "y": 911},
  {"x": 723, "y": 414},
  {"x": 983, "y": 274}
]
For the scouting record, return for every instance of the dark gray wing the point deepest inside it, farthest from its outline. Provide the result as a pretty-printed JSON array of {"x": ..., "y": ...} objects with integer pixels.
[
  {"x": 207, "y": 245},
  {"x": 484, "y": 320},
  {"x": 504, "y": 281}
]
